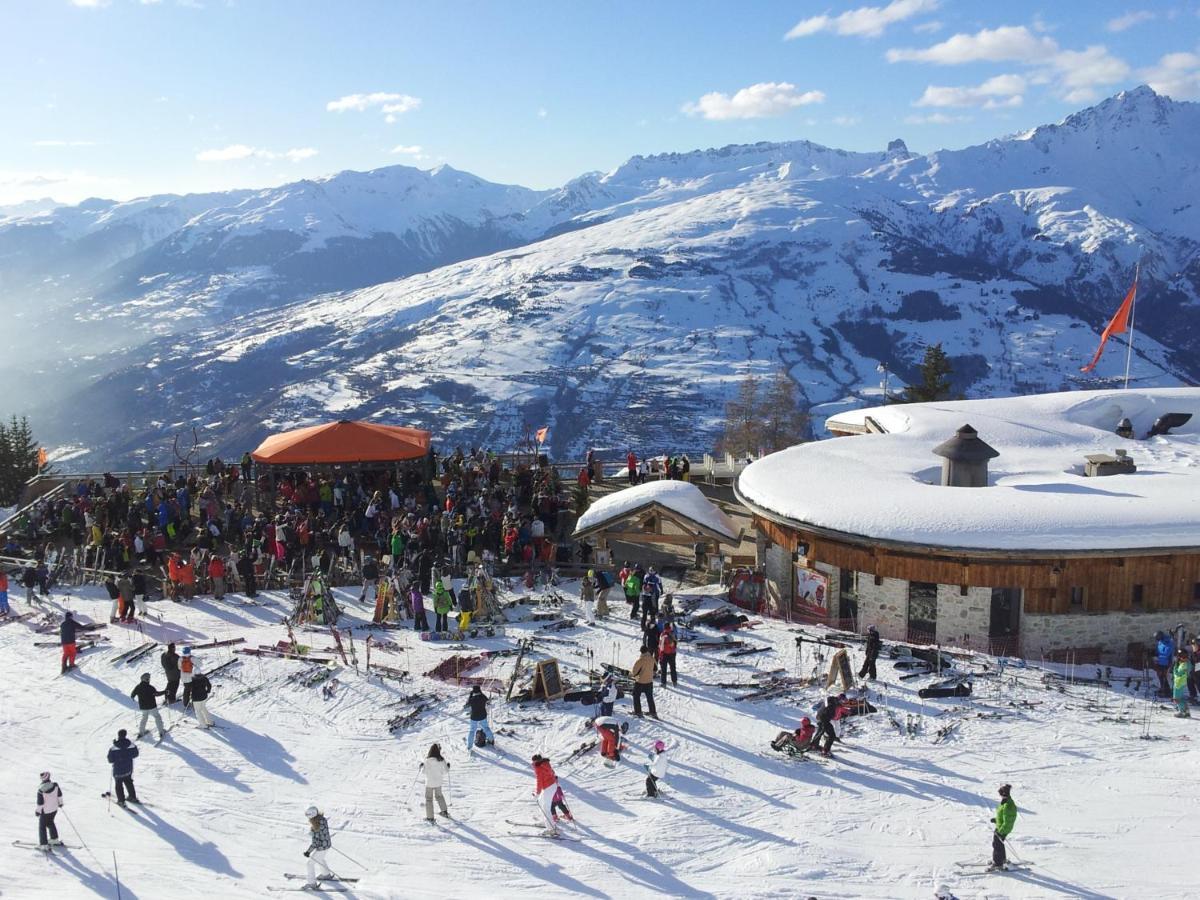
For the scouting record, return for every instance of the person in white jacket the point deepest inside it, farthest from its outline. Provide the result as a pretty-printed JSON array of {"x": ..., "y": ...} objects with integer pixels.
[
  {"x": 436, "y": 770},
  {"x": 656, "y": 769},
  {"x": 49, "y": 802}
]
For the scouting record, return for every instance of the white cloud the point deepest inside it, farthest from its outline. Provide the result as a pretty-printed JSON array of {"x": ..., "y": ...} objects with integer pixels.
[
  {"x": 936, "y": 118},
  {"x": 1003, "y": 90},
  {"x": 236, "y": 152},
  {"x": 1176, "y": 74},
  {"x": 391, "y": 105},
  {"x": 410, "y": 150},
  {"x": 866, "y": 21},
  {"x": 90, "y": 4},
  {"x": 846, "y": 121},
  {"x": 54, "y": 143},
  {"x": 69, "y": 186},
  {"x": 769, "y": 98},
  {"x": 1129, "y": 20},
  {"x": 1075, "y": 75},
  {"x": 1004, "y": 44},
  {"x": 928, "y": 27}
]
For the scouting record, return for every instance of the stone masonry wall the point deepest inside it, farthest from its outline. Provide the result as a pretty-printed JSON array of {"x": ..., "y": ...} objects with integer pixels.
[
  {"x": 884, "y": 605},
  {"x": 1113, "y": 631},
  {"x": 961, "y": 620}
]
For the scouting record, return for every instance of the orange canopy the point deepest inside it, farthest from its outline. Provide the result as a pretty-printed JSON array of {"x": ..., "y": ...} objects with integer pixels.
[{"x": 343, "y": 442}]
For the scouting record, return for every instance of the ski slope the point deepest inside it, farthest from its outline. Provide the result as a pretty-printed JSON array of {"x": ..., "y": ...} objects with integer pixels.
[{"x": 1103, "y": 813}]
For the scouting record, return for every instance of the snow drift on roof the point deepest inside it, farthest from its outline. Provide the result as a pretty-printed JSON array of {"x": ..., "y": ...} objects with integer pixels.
[
  {"x": 887, "y": 486},
  {"x": 678, "y": 496}
]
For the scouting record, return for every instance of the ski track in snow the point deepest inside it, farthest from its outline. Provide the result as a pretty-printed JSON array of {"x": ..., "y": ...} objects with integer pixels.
[{"x": 1101, "y": 812}]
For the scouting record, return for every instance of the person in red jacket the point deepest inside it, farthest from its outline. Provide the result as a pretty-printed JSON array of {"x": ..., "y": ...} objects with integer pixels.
[
  {"x": 547, "y": 785},
  {"x": 632, "y": 470},
  {"x": 216, "y": 573}
]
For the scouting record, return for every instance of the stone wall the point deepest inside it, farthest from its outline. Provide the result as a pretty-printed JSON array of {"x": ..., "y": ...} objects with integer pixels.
[
  {"x": 963, "y": 620},
  {"x": 883, "y": 605},
  {"x": 1113, "y": 632}
]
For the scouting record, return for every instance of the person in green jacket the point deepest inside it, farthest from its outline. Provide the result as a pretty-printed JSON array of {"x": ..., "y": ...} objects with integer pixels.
[
  {"x": 1180, "y": 674},
  {"x": 1005, "y": 818},
  {"x": 442, "y": 602}
]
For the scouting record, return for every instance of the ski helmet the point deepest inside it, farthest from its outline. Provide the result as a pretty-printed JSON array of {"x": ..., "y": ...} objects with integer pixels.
[
  {"x": 659, "y": 746},
  {"x": 187, "y": 651},
  {"x": 312, "y": 812},
  {"x": 45, "y": 776},
  {"x": 145, "y": 676}
]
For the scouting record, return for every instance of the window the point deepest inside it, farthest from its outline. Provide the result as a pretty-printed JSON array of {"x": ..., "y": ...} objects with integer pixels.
[
  {"x": 1077, "y": 598},
  {"x": 848, "y": 597},
  {"x": 922, "y": 612},
  {"x": 1138, "y": 598}
]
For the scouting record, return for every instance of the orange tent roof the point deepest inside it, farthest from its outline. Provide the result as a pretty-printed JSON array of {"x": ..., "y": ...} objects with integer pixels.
[{"x": 343, "y": 442}]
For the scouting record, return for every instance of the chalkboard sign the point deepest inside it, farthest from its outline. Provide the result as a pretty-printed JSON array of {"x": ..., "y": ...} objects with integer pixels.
[{"x": 547, "y": 682}]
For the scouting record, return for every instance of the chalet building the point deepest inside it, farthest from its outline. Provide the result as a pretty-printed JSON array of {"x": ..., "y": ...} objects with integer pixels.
[{"x": 1048, "y": 525}]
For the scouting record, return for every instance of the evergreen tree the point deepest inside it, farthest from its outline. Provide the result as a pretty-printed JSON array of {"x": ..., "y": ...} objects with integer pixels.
[
  {"x": 18, "y": 459},
  {"x": 743, "y": 423},
  {"x": 935, "y": 377},
  {"x": 784, "y": 420}
]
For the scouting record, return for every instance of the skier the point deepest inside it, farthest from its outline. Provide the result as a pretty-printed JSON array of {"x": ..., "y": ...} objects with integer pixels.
[
  {"x": 245, "y": 568},
  {"x": 66, "y": 637},
  {"x": 1181, "y": 674},
  {"x": 610, "y": 694},
  {"x": 144, "y": 693},
  {"x": 610, "y": 731},
  {"x": 873, "y": 647},
  {"x": 436, "y": 771},
  {"x": 121, "y": 756},
  {"x": 479, "y": 718},
  {"x": 1005, "y": 818},
  {"x": 49, "y": 802},
  {"x": 170, "y": 664},
  {"x": 558, "y": 804},
  {"x": 125, "y": 591},
  {"x": 466, "y": 609},
  {"x": 319, "y": 846},
  {"x": 370, "y": 573},
  {"x": 825, "y": 717},
  {"x": 216, "y": 574},
  {"x": 545, "y": 789},
  {"x": 651, "y": 591},
  {"x": 4, "y": 610},
  {"x": 643, "y": 678},
  {"x": 603, "y": 586},
  {"x": 201, "y": 688},
  {"x": 117, "y": 612},
  {"x": 656, "y": 769},
  {"x": 666, "y": 655},
  {"x": 187, "y": 668},
  {"x": 633, "y": 591}
]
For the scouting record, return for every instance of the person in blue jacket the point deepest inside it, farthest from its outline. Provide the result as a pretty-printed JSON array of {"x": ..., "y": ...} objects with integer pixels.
[
  {"x": 1164, "y": 657},
  {"x": 121, "y": 756}
]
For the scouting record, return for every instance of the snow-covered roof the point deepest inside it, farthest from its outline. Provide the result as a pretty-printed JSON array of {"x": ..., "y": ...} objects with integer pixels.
[
  {"x": 679, "y": 497},
  {"x": 887, "y": 486}
]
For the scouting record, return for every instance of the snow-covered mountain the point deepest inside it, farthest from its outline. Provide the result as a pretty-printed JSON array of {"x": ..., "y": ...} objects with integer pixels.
[{"x": 621, "y": 308}]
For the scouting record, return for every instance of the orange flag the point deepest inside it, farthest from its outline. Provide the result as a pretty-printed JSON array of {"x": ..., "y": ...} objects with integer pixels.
[
  {"x": 1119, "y": 324},
  {"x": 41, "y": 457},
  {"x": 541, "y": 434}
]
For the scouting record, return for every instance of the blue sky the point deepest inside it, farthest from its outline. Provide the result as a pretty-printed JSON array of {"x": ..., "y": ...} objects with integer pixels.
[{"x": 129, "y": 97}]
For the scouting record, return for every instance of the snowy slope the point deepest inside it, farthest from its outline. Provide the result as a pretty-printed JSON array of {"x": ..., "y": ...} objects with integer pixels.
[
  {"x": 1100, "y": 810},
  {"x": 653, "y": 288}
]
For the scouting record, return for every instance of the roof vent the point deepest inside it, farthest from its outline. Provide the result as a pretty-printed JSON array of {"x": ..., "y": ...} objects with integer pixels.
[
  {"x": 965, "y": 459},
  {"x": 1102, "y": 464}
]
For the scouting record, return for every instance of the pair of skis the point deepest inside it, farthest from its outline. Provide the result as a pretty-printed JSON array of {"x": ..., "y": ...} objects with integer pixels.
[
  {"x": 540, "y": 830},
  {"x": 325, "y": 885}
]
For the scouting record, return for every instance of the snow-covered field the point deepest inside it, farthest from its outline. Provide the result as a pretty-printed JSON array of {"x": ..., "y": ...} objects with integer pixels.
[{"x": 1103, "y": 813}]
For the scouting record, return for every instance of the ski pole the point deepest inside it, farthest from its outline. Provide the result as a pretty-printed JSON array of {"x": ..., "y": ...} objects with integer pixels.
[
  {"x": 116, "y": 873},
  {"x": 355, "y": 861}
]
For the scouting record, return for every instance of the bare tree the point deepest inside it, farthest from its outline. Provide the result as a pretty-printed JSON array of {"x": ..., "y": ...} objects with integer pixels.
[
  {"x": 743, "y": 423},
  {"x": 783, "y": 416}
]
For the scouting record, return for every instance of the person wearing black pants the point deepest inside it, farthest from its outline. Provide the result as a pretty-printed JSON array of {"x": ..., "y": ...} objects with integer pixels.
[
  {"x": 825, "y": 727},
  {"x": 170, "y": 664},
  {"x": 666, "y": 655},
  {"x": 873, "y": 647},
  {"x": 49, "y": 801},
  {"x": 642, "y": 674},
  {"x": 121, "y": 756}
]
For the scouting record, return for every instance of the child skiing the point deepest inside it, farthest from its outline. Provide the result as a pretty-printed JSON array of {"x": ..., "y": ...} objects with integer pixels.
[
  {"x": 1005, "y": 818},
  {"x": 49, "y": 802},
  {"x": 318, "y": 847},
  {"x": 477, "y": 703},
  {"x": 656, "y": 769},
  {"x": 436, "y": 771}
]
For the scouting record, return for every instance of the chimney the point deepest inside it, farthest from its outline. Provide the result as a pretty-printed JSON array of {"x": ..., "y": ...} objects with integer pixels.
[
  {"x": 965, "y": 459},
  {"x": 1125, "y": 429}
]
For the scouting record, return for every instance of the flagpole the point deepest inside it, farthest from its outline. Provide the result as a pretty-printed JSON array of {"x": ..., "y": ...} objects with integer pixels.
[{"x": 1132, "y": 315}]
